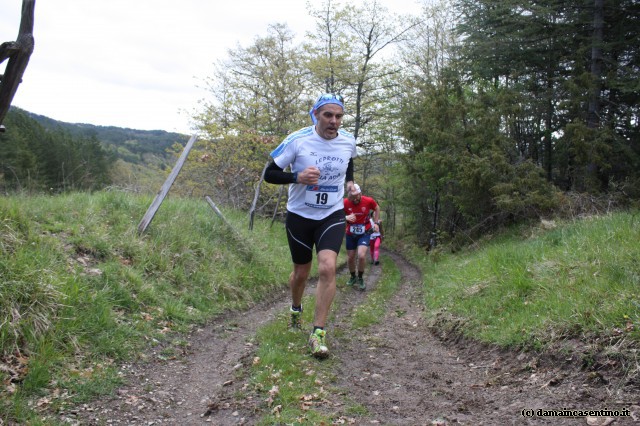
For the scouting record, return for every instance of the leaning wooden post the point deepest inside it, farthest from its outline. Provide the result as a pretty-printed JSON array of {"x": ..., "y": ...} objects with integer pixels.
[
  {"x": 252, "y": 211},
  {"x": 155, "y": 205},
  {"x": 245, "y": 249},
  {"x": 275, "y": 210},
  {"x": 217, "y": 211}
]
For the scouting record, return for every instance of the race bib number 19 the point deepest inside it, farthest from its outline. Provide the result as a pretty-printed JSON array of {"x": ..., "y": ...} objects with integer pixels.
[{"x": 321, "y": 197}]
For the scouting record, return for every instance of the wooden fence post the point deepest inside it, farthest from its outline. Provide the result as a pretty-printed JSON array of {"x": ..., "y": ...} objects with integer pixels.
[
  {"x": 252, "y": 211},
  {"x": 155, "y": 205},
  {"x": 217, "y": 211},
  {"x": 275, "y": 210}
]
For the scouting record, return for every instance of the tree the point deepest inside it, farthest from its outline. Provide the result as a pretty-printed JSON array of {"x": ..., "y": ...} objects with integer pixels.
[
  {"x": 464, "y": 172},
  {"x": 259, "y": 87},
  {"x": 18, "y": 53},
  {"x": 349, "y": 56},
  {"x": 566, "y": 64},
  {"x": 373, "y": 29},
  {"x": 259, "y": 95},
  {"x": 329, "y": 49},
  {"x": 35, "y": 159}
]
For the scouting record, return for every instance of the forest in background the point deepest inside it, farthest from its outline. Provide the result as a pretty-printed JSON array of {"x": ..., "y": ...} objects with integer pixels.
[
  {"x": 39, "y": 154},
  {"x": 473, "y": 115},
  {"x": 131, "y": 145}
]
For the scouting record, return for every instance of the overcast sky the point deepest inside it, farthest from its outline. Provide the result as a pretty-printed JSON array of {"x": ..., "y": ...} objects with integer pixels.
[{"x": 139, "y": 63}]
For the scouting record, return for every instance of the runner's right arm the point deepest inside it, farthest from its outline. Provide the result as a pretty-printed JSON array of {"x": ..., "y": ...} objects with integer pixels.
[{"x": 276, "y": 175}]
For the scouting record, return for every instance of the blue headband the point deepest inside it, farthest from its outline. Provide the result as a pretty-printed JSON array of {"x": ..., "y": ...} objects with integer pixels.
[{"x": 327, "y": 98}]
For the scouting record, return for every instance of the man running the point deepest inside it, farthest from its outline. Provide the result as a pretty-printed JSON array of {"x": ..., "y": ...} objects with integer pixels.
[
  {"x": 321, "y": 161},
  {"x": 357, "y": 208}
]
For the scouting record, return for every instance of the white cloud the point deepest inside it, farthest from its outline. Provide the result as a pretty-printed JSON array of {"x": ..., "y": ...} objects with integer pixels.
[{"x": 138, "y": 64}]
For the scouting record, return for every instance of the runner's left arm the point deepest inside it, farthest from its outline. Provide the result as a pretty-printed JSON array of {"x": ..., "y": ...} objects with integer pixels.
[
  {"x": 376, "y": 214},
  {"x": 349, "y": 176}
]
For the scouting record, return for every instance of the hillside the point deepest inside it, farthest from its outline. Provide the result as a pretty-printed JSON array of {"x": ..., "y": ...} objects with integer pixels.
[{"x": 129, "y": 144}]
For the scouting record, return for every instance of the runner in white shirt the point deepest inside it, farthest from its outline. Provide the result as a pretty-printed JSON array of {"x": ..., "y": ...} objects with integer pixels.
[{"x": 321, "y": 161}]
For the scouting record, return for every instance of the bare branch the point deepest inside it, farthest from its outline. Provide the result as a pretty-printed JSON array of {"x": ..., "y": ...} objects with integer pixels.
[{"x": 18, "y": 54}]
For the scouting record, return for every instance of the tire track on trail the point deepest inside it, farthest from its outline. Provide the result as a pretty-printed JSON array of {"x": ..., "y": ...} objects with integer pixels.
[
  {"x": 198, "y": 386},
  {"x": 178, "y": 391},
  {"x": 402, "y": 373}
]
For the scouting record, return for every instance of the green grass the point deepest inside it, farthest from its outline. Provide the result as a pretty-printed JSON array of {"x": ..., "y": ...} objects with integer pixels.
[
  {"x": 579, "y": 280},
  {"x": 81, "y": 292},
  {"x": 286, "y": 376},
  {"x": 294, "y": 385},
  {"x": 372, "y": 312},
  {"x": 79, "y": 288}
]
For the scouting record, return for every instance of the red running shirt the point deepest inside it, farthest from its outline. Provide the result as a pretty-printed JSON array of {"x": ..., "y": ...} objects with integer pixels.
[{"x": 362, "y": 211}]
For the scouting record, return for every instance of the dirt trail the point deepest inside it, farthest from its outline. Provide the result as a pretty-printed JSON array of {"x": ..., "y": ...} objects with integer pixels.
[
  {"x": 400, "y": 371},
  {"x": 405, "y": 375}
]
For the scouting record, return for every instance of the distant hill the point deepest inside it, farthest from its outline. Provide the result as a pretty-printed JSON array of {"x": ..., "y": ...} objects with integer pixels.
[{"x": 129, "y": 144}]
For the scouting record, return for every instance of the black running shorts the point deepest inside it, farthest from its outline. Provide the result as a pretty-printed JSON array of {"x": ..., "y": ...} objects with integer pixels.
[{"x": 303, "y": 233}]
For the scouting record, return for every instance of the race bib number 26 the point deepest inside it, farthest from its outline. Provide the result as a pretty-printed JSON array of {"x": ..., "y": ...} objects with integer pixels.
[{"x": 321, "y": 196}]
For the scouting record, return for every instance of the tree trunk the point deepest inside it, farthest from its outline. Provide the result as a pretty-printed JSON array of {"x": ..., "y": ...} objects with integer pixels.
[
  {"x": 593, "y": 117},
  {"x": 18, "y": 53},
  {"x": 593, "y": 113}
]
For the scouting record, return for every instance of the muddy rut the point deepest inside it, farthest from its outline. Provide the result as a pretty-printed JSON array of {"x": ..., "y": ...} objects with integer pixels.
[{"x": 403, "y": 371}]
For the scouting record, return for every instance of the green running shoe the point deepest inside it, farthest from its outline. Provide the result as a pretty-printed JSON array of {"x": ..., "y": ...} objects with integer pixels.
[
  {"x": 351, "y": 281},
  {"x": 296, "y": 320},
  {"x": 318, "y": 345},
  {"x": 361, "y": 284}
]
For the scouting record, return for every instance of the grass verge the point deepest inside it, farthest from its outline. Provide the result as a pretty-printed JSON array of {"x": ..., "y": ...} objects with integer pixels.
[
  {"x": 535, "y": 288},
  {"x": 81, "y": 291},
  {"x": 294, "y": 387}
]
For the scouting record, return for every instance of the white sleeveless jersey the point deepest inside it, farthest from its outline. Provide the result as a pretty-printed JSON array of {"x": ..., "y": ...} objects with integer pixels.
[{"x": 306, "y": 148}]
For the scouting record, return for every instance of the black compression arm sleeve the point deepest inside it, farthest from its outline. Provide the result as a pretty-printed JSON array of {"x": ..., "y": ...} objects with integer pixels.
[
  {"x": 350, "y": 170},
  {"x": 274, "y": 174}
]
